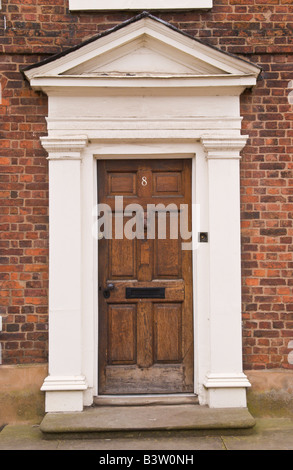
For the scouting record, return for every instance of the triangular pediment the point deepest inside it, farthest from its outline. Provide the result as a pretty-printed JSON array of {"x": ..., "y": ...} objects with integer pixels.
[
  {"x": 144, "y": 55},
  {"x": 142, "y": 47}
]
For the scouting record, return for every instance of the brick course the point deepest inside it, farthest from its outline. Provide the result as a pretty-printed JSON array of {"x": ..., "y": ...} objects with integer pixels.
[{"x": 257, "y": 30}]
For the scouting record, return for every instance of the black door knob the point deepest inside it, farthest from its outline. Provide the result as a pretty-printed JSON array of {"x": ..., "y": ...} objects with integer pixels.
[{"x": 107, "y": 291}]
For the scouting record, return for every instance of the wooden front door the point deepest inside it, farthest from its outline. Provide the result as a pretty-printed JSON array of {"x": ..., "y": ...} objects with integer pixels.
[{"x": 145, "y": 284}]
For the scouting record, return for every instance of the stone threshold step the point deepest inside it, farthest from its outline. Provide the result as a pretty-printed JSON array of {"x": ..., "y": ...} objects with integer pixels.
[
  {"x": 146, "y": 400},
  {"x": 124, "y": 420}
]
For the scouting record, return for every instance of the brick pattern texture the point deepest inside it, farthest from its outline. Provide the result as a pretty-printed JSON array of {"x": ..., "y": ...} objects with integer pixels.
[{"x": 257, "y": 30}]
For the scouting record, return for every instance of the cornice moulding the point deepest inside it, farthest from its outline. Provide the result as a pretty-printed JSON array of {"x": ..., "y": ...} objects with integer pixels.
[
  {"x": 52, "y": 83},
  {"x": 224, "y": 147},
  {"x": 64, "y": 147}
]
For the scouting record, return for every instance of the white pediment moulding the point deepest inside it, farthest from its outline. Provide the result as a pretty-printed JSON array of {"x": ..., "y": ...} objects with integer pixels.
[
  {"x": 142, "y": 52},
  {"x": 226, "y": 128},
  {"x": 93, "y": 5}
]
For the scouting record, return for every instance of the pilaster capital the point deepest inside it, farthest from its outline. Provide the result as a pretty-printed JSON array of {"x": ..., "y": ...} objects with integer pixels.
[
  {"x": 223, "y": 147},
  {"x": 64, "y": 147}
]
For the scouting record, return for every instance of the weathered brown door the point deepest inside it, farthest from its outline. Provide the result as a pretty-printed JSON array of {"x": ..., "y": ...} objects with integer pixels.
[{"x": 145, "y": 285}]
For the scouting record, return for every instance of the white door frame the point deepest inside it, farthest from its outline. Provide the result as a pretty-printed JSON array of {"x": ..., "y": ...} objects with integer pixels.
[{"x": 217, "y": 319}]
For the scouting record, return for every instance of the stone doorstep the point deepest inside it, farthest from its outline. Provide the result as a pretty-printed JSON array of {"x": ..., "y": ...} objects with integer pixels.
[{"x": 102, "y": 421}]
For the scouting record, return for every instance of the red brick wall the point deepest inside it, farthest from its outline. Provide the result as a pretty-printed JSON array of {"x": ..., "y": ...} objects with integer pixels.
[
  {"x": 267, "y": 209},
  {"x": 258, "y": 30}
]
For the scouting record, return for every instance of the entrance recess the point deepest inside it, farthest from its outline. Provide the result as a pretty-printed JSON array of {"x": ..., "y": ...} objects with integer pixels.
[
  {"x": 145, "y": 281},
  {"x": 142, "y": 89}
]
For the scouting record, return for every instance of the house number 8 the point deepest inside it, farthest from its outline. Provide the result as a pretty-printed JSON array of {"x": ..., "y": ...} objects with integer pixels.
[{"x": 144, "y": 181}]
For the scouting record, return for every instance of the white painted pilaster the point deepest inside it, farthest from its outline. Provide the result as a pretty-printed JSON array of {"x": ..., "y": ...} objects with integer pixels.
[
  {"x": 65, "y": 384},
  {"x": 225, "y": 381}
]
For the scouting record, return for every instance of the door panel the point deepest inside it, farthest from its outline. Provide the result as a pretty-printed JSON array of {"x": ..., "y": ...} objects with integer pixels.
[
  {"x": 168, "y": 326},
  {"x": 122, "y": 259},
  {"x": 122, "y": 334},
  {"x": 145, "y": 337}
]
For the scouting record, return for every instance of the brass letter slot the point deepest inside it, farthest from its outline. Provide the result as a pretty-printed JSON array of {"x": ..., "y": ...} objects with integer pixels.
[{"x": 145, "y": 293}]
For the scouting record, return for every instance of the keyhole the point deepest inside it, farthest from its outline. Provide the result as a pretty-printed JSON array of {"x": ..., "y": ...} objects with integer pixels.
[{"x": 145, "y": 221}]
